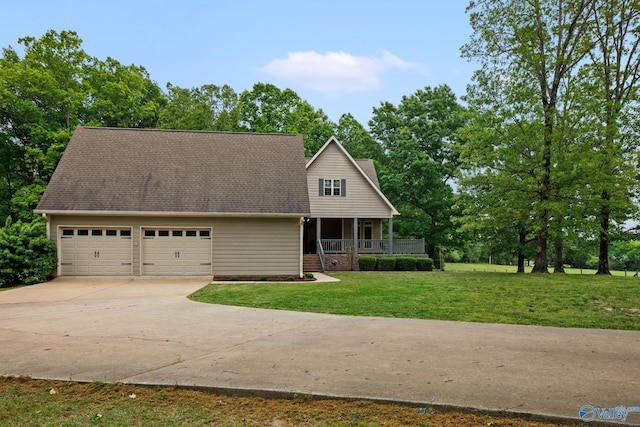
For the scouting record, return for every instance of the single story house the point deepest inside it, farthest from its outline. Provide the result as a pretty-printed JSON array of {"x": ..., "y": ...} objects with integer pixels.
[{"x": 164, "y": 202}]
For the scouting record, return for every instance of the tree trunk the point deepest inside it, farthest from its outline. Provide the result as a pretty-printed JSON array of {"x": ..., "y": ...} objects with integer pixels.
[
  {"x": 541, "y": 263},
  {"x": 522, "y": 241},
  {"x": 603, "y": 257},
  {"x": 431, "y": 251},
  {"x": 558, "y": 265}
]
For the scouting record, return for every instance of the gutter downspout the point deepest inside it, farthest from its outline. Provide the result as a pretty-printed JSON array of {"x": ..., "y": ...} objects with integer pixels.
[
  {"x": 301, "y": 249},
  {"x": 46, "y": 219}
]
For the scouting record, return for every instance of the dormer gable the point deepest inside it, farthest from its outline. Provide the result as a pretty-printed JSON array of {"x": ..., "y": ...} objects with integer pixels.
[{"x": 341, "y": 186}]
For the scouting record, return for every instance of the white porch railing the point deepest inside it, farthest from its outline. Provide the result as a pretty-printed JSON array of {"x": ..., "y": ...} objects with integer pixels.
[{"x": 373, "y": 246}]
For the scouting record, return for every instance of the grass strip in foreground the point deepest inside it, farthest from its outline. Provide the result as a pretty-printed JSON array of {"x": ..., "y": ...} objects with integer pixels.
[{"x": 29, "y": 402}]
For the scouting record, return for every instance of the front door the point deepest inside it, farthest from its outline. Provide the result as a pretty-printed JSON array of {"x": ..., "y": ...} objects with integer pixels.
[{"x": 368, "y": 234}]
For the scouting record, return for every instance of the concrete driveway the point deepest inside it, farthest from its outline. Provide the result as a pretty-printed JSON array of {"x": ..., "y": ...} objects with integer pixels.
[{"x": 146, "y": 331}]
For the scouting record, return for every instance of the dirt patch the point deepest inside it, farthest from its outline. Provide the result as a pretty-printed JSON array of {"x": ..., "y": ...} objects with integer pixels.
[
  {"x": 628, "y": 312},
  {"x": 25, "y": 401}
]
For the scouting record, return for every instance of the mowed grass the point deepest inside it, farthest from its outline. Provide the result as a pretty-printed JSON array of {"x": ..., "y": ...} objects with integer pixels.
[
  {"x": 495, "y": 268},
  {"x": 570, "y": 300},
  {"x": 31, "y": 402}
]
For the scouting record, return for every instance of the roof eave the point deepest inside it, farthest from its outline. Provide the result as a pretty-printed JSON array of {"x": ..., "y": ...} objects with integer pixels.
[{"x": 183, "y": 214}]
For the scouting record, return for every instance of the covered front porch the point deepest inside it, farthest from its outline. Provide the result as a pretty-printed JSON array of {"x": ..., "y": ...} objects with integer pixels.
[{"x": 339, "y": 236}]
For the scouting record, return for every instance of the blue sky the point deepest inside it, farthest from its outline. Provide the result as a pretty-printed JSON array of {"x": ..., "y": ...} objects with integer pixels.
[{"x": 343, "y": 56}]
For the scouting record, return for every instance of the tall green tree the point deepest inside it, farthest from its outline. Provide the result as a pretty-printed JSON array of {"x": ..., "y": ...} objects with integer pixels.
[
  {"x": 118, "y": 95},
  {"x": 611, "y": 81},
  {"x": 544, "y": 41},
  {"x": 500, "y": 159},
  {"x": 418, "y": 136},
  {"x": 208, "y": 107},
  {"x": 357, "y": 140},
  {"x": 54, "y": 87},
  {"x": 266, "y": 108},
  {"x": 41, "y": 97}
]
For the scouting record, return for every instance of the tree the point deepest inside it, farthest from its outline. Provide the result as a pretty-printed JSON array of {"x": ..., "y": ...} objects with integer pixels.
[
  {"x": 612, "y": 81},
  {"x": 266, "y": 108},
  {"x": 120, "y": 96},
  {"x": 41, "y": 96},
  {"x": 209, "y": 107},
  {"x": 543, "y": 41},
  {"x": 357, "y": 140},
  {"x": 627, "y": 254},
  {"x": 418, "y": 137},
  {"x": 500, "y": 159},
  {"x": 44, "y": 95}
]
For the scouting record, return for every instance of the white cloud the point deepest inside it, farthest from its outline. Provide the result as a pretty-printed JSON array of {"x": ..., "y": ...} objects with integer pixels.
[{"x": 334, "y": 71}]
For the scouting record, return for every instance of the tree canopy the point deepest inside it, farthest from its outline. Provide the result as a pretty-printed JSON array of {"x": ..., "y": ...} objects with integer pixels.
[
  {"x": 557, "y": 85},
  {"x": 418, "y": 136},
  {"x": 44, "y": 95}
]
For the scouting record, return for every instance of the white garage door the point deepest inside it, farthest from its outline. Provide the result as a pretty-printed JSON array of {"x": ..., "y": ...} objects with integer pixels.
[
  {"x": 95, "y": 251},
  {"x": 176, "y": 251}
]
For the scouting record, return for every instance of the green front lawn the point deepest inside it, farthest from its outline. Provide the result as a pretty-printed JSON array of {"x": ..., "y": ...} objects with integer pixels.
[
  {"x": 585, "y": 301},
  {"x": 496, "y": 268}
]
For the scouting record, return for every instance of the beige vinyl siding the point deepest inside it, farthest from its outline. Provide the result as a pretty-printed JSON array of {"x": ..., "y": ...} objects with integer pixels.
[
  {"x": 269, "y": 246},
  {"x": 361, "y": 199}
]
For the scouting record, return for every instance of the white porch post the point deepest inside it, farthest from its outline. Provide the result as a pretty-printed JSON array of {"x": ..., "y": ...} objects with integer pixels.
[
  {"x": 355, "y": 236},
  {"x": 390, "y": 232},
  {"x": 318, "y": 232}
]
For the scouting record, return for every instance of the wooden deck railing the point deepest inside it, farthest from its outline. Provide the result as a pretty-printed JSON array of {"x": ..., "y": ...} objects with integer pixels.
[{"x": 373, "y": 246}]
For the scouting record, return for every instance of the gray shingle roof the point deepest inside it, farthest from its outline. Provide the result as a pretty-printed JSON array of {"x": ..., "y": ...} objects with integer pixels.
[
  {"x": 143, "y": 170},
  {"x": 369, "y": 168}
]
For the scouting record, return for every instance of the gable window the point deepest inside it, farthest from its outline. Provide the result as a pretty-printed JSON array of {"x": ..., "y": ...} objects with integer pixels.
[{"x": 333, "y": 187}]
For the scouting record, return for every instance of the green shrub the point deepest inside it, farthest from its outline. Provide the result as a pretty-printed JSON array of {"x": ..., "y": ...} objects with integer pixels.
[
  {"x": 387, "y": 264},
  {"x": 263, "y": 278},
  {"x": 367, "y": 263},
  {"x": 309, "y": 275},
  {"x": 27, "y": 256},
  {"x": 405, "y": 264},
  {"x": 424, "y": 264}
]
